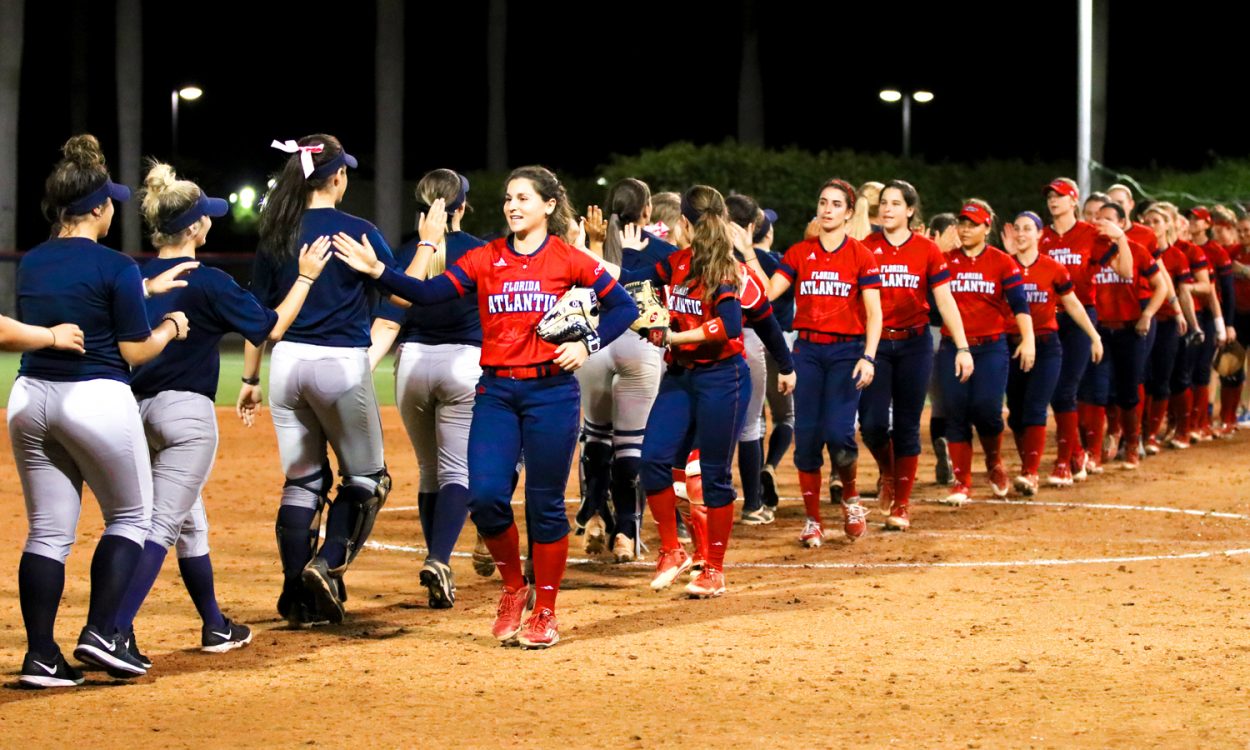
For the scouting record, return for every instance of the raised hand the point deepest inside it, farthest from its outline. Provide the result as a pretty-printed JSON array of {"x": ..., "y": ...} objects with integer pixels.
[
  {"x": 631, "y": 237},
  {"x": 359, "y": 256},
  {"x": 432, "y": 227},
  {"x": 168, "y": 280}
]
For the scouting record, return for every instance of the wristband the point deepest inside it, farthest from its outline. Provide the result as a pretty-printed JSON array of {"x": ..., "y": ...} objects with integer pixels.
[
  {"x": 147, "y": 294},
  {"x": 868, "y": 359},
  {"x": 177, "y": 328},
  {"x": 1219, "y": 326},
  {"x": 963, "y": 350},
  {"x": 427, "y": 243},
  {"x": 251, "y": 381},
  {"x": 1172, "y": 300},
  {"x": 592, "y": 343},
  {"x": 715, "y": 330}
]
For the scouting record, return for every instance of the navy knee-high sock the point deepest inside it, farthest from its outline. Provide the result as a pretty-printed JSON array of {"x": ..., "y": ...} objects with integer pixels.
[
  {"x": 627, "y": 497},
  {"x": 426, "y": 503},
  {"x": 596, "y": 469},
  {"x": 340, "y": 522},
  {"x": 937, "y": 428},
  {"x": 750, "y": 463},
  {"x": 197, "y": 576},
  {"x": 449, "y": 516},
  {"x": 112, "y": 568},
  {"x": 778, "y": 443},
  {"x": 40, "y": 583},
  {"x": 295, "y": 537},
  {"x": 145, "y": 576}
]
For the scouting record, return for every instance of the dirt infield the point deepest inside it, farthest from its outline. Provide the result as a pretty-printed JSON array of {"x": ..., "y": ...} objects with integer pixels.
[{"x": 1103, "y": 623}]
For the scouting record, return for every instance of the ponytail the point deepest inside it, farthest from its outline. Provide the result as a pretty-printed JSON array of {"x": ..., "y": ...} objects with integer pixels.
[
  {"x": 283, "y": 209},
  {"x": 712, "y": 260}
]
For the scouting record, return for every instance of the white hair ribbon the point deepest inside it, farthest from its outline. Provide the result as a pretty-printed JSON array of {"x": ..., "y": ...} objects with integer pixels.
[{"x": 305, "y": 153}]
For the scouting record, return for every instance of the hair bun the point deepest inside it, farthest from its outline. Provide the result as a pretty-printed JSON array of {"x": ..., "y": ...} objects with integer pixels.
[
  {"x": 160, "y": 177},
  {"x": 84, "y": 151}
]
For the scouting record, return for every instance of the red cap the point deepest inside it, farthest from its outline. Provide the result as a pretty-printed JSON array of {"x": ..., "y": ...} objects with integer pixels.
[
  {"x": 1063, "y": 187},
  {"x": 1199, "y": 212},
  {"x": 975, "y": 214}
]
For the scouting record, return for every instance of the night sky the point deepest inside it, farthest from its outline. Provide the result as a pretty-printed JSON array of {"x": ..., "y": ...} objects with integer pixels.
[{"x": 589, "y": 80}]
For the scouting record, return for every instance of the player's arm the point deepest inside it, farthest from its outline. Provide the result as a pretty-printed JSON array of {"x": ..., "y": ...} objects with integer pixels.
[
  {"x": 251, "y": 396},
  {"x": 16, "y": 336},
  {"x": 432, "y": 229},
  {"x": 1075, "y": 310},
  {"x": 954, "y": 323},
  {"x": 359, "y": 256},
  {"x": 1013, "y": 290},
  {"x": 312, "y": 260},
  {"x": 866, "y": 368},
  {"x": 727, "y": 325},
  {"x": 381, "y": 337},
  {"x": 1188, "y": 315},
  {"x": 1158, "y": 297}
]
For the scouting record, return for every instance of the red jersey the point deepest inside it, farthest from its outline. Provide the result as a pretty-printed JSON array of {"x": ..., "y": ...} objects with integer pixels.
[
  {"x": 514, "y": 291},
  {"x": 1144, "y": 236},
  {"x": 688, "y": 310},
  {"x": 828, "y": 284},
  {"x": 1241, "y": 286},
  {"x": 1075, "y": 250},
  {"x": 1116, "y": 298},
  {"x": 980, "y": 286},
  {"x": 908, "y": 272},
  {"x": 1197, "y": 262},
  {"x": 1174, "y": 262},
  {"x": 1044, "y": 282}
]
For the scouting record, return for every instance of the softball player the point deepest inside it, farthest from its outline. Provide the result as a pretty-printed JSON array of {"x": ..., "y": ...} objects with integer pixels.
[
  {"x": 1221, "y": 300},
  {"x": 436, "y": 371},
  {"x": 1172, "y": 323},
  {"x": 944, "y": 232},
  {"x": 707, "y": 387},
  {"x": 912, "y": 268},
  {"x": 320, "y": 386},
  {"x": 780, "y": 405},
  {"x": 1224, "y": 233},
  {"x": 71, "y": 416},
  {"x": 527, "y": 398},
  {"x": 1046, "y": 284},
  {"x": 618, "y": 386},
  {"x": 1193, "y": 348},
  {"x": 838, "y": 318},
  {"x": 1231, "y": 390},
  {"x": 1071, "y": 241},
  {"x": 986, "y": 285},
  {"x": 176, "y": 391}
]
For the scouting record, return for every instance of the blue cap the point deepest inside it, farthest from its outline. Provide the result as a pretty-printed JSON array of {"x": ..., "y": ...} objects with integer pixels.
[
  {"x": 332, "y": 166},
  {"x": 97, "y": 197},
  {"x": 761, "y": 231},
  {"x": 203, "y": 206},
  {"x": 461, "y": 197}
]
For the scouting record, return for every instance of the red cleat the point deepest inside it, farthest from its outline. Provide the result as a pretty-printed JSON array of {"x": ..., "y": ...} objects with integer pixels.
[
  {"x": 541, "y": 630},
  {"x": 999, "y": 484},
  {"x": 1153, "y": 447},
  {"x": 710, "y": 583},
  {"x": 813, "y": 534},
  {"x": 514, "y": 607},
  {"x": 854, "y": 520},
  {"x": 1027, "y": 484},
  {"x": 1060, "y": 476},
  {"x": 959, "y": 495},
  {"x": 885, "y": 492},
  {"x": 899, "y": 518},
  {"x": 671, "y": 564}
]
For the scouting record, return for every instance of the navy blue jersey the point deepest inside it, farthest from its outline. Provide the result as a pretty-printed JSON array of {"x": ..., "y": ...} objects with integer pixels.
[
  {"x": 76, "y": 280},
  {"x": 338, "y": 310},
  {"x": 454, "y": 322},
  {"x": 657, "y": 250},
  {"x": 783, "y": 306},
  {"x": 214, "y": 305}
]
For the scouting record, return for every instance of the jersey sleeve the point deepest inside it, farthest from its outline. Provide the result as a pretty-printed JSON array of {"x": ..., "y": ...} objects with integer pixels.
[
  {"x": 130, "y": 313},
  {"x": 388, "y": 310},
  {"x": 790, "y": 262},
  {"x": 239, "y": 310},
  {"x": 869, "y": 273},
  {"x": 464, "y": 273},
  {"x": 263, "y": 280},
  {"x": 381, "y": 249},
  {"x": 589, "y": 273},
  {"x": 935, "y": 267},
  {"x": 1063, "y": 280}
]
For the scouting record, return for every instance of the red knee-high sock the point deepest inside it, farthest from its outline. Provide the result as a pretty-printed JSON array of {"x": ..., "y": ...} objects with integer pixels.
[
  {"x": 1067, "y": 436},
  {"x": 1130, "y": 426},
  {"x": 1181, "y": 404},
  {"x": 1145, "y": 405},
  {"x": 885, "y": 458},
  {"x": 961, "y": 462},
  {"x": 506, "y": 551},
  {"x": 1230, "y": 397},
  {"x": 1200, "y": 417},
  {"x": 992, "y": 445},
  {"x": 549, "y": 562},
  {"x": 698, "y": 529},
  {"x": 1034, "y": 444},
  {"x": 1113, "y": 420},
  {"x": 904, "y": 478},
  {"x": 847, "y": 475},
  {"x": 663, "y": 504},
  {"x": 1096, "y": 429},
  {"x": 720, "y": 523},
  {"x": 811, "y": 485},
  {"x": 1158, "y": 412}
]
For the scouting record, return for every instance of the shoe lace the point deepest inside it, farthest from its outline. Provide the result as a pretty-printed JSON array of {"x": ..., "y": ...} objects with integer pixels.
[
  {"x": 540, "y": 620},
  {"x": 810, "y": 528},
  {"x": 855, "y": 513},
  {"x": 511, "y": 602}
]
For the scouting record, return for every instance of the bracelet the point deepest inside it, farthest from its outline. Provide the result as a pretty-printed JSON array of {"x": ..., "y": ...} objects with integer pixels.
[
  {"x": 868, "y": 359},
  {"x": 306, "y": 277},
  {"x": 53, "y": 337},
  {"x": 177, "y": 328},
  {"x": 963, "y": 350},
  {"x": 427, "y": 243},
  {"x": 251, "y": 381}
]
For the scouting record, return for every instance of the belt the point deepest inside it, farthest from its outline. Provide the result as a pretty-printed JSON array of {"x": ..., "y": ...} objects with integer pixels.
[
  {"x": 979, "y": 340},
  {"x": 902, "y": 334},
  {"x": 525, "y": 372},
  {"x": 1116, "y": 325},
  {"x": 1039, "y": 338},
  {"x": 816, "y": 337}
]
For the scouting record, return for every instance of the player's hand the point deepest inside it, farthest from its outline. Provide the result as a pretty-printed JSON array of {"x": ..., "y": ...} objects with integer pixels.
[
  {"x": 1009, "y": 238},
  {"x": 1231, "y": 333},
  {"x": 596, "y": 225},
  {"x": 571, "y": 354},
  {"x": 786, "y": 383},
  {"x": 741, "y": 237},
  {"x": 359, "y": 256},
  {"x": 1109, "y": 229},
  {"x": 249, "y": 403},
  {"x": 68, "y": 338},
  {"x": 1026, "y": 352},
  {"x": 1095, "y": 349},
  {"x": 182, "y": 327},
  {"x": 1182, "y": 325},
  {"x": 863, "y": 373},
  {"x": 963, "y": 366},
  {"x": 632, "y": 239},
  {"x": 168, "y": 280},
  {"x": 313, "y": 258},
  {"x": 432, "y": 227},
  {"x": 1221, "y": 338}
]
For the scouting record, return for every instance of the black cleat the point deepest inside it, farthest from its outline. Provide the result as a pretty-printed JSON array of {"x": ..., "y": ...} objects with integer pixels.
[
  {"x": 39, "y": 673},
  {"x": 110, "y": 653},
  {"x": 218, "y": 640},
  {"x": 438, "y": 578},
  {"x": 324, "y": 589}
]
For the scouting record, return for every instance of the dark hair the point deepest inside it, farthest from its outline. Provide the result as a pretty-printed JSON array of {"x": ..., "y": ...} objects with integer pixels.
[
  {"x": 548, "y": 188},
  {"x": 1119, "y": 210},
  {"x": 846, "y": 189},
  {"x": 626, "y": 201},
  {"x": 80, "y": 171},
  {"x": 286, "y": 201},
  {"x": 743, "y": 209},
  {"x": 910, "y": 197},
  {"x": 1098, "y": 196},
  {"x": 711, "y": 259},
  {"x": 940, "y": 223}
]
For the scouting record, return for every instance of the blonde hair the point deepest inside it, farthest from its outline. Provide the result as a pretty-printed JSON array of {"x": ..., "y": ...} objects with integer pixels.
[
  {"x": 1164, "y": 210},
  {"x": 860, "y": 225},
  {"x": 666, "y": 207},
  {"x": 445, "y": 184},
  {"x": 164, "y": 197},
  {"x": 712, "y": 249}
]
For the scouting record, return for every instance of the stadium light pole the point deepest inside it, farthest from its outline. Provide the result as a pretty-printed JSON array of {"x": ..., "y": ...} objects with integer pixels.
[
  {"x": 892, "y": 96},
  {"x": 186, "y": 93},
  {"x": 1085, "y": 93}
]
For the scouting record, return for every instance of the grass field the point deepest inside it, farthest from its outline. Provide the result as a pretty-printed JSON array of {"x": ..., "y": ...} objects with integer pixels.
[{"x": 231, "y": 371}]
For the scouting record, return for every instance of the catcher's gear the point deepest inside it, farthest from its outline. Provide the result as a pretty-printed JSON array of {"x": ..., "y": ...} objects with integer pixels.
[
  {"x": 1231, "y": 360},
  {"x": 367, "y": 501},
  {"x": 574, "y": 317},
  {"x": 651, "y": 311}
]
